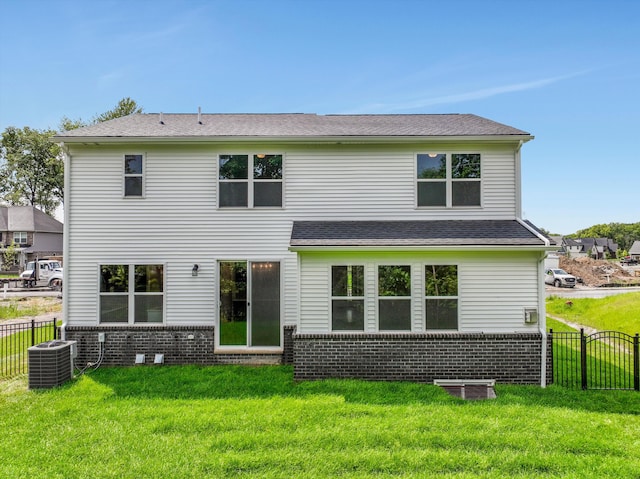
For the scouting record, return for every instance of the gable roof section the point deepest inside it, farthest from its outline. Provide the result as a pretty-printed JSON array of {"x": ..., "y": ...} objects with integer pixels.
[
  {"x": 27, "y": 218},
  {"x": 412, "y": 233},
  {"x": 635, "y": 248},
  {"x": 291, "y": 125}
]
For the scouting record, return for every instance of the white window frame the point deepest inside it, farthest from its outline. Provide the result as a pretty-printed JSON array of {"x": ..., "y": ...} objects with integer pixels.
[
  {"x": 20, "y": 237},
  {"x": 250, "y": 181},
  {"x": 425, "y": 297},
  {"x": 362, "y": 298},
  {"x": 378, "y": 297},
  {"x": 448, "y": 180},
  {"x": 141, "y": 175},
  {"x": 131, "y": 293}
]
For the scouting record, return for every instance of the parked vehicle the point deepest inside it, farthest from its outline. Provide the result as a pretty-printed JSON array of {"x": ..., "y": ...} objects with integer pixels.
[
  {"x": 628, "y": 260},
  {"x": 46, "y": 268},
  {"x": 55, "y": 280},
  {"x": 559, "y": 278}
]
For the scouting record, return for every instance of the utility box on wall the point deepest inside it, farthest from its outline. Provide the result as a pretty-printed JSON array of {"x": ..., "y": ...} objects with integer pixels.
[
  {"x": 51, "y": 364},
  {"x": 530, "y": 315}
]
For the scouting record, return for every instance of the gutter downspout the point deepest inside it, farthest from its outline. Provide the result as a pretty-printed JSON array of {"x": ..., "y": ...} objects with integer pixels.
[
  {"x": 542, "y": 321},
  {"x": 518, "y": 180},
  {"x": 65, "y": 241}
]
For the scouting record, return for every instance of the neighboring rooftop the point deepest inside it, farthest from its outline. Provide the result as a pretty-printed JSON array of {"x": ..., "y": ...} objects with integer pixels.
[
  {"x": 292, "y": 125},
  {"x": 27, "y": 218}
]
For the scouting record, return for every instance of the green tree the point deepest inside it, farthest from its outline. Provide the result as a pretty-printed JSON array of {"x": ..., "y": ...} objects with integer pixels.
[
  {"x": 32, "y": 166},
  {"x": 31, "y": 169},
  {"x": 125, "y": 107},
  {"x": 624, "y": 234},
  {"x": 9, "y": 257}
]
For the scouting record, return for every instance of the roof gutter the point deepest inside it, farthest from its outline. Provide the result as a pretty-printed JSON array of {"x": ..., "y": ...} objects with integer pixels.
[
  {"x": 96, "y": 140},
  {"x": 385, "y": 248}
]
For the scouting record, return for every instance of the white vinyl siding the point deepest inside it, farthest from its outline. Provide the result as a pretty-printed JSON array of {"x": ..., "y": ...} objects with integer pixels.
[
  {"x": 493, "y": 288},
  {"x": 366, "y": 184},
  {"x": 178, "y": 223}
]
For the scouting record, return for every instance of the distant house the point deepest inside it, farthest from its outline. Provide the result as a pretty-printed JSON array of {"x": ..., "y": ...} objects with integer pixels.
[
  {"x": 35, "y": 234},
  {"x": 634, "y": 252},
  {"x": 595, "y": 248},
  {"x": 386, "y": 247}
]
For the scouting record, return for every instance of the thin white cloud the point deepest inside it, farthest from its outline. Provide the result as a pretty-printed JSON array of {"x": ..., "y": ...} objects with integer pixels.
[{"x": 467, "y": 96}]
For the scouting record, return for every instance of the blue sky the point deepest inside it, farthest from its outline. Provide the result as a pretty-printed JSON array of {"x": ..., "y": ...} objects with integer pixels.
[{"x": 566, "y": 71}]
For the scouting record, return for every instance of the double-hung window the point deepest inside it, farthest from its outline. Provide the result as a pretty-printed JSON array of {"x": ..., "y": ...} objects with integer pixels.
[
  {"x": 20, "y": 237},
  {"x": 131, "y": 293},
  {"x": 441, "y": 296},
  {"x": 394, "y": 298},
  {"x": 347, "y": 298},
  {"x": 133, "y": 176},
  {"x": 250, "y": 181},
  {"x": 448, "y": 179}
]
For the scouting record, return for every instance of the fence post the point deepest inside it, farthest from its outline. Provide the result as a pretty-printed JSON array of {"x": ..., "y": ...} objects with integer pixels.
[
  {"x": 33, "y": 332},
  {"x": 553, "y": 372},
  {"x": 583, "y": 358},
  {"x": 636, "y": 363}
]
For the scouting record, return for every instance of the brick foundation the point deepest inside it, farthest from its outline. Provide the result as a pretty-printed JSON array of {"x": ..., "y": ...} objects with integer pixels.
[
  {"x": 507, "y": 358},
  {"x": 179, "y": 344}
]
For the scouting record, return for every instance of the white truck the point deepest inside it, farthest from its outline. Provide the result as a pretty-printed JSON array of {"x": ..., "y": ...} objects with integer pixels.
[
  {"x": 559, "y": 278},
  {"x": 46, "y": 268}
]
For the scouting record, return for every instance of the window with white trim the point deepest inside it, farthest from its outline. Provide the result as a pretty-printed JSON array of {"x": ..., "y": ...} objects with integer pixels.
[
  {"x": 441, "y": 296},
  {"x": 394, "y": 298},
  {"x": 250, "y": 181},
  {"x": 448, "y": 179},
  {"x": 131, "y": 293},
  {"x": 20, "y": 237},
  {"x": 347, "y": 298},
  {"x": 133, "y": 176}
]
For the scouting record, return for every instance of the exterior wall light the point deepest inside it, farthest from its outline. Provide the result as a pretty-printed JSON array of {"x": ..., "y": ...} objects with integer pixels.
[{"x": 194, "y": 271}]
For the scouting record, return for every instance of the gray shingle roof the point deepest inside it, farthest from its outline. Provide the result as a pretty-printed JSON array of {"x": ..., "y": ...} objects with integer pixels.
[
  {"x": 148, "y": 125},
  {"x": 27, "y": 218},
  {"x": 413, "y": 233}
]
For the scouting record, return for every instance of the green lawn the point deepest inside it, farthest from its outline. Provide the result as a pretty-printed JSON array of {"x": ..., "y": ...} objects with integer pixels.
[
  {"x": 14, "y": 349},
  {"x": 620, "y": 312},
  {"x": 226, "y": 421}
]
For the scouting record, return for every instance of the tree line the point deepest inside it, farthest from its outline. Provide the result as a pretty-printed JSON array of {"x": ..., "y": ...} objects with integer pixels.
[
  {"x": 32, "y": 165},
  {"x": 624, "y": 234}
]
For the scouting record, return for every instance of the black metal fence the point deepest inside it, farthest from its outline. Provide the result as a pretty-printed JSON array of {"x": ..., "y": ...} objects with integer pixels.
[
  {"x": 602, "y": 360},
  {"x": 17, "y": 338}
]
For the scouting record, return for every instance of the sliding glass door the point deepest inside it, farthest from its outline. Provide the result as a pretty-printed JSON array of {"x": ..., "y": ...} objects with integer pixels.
[{"x": 249, "y": 303}]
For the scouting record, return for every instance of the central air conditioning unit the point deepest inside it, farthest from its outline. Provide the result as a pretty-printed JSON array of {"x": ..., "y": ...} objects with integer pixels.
[{"x": 51, "y": 363}]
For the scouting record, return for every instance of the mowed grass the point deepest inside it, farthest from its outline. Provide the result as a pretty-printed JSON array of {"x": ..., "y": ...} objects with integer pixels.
[
  {"x": 15, "y": 308},
  {"x": 618, "y": 313},
  {"x": 236, "y": 422}
]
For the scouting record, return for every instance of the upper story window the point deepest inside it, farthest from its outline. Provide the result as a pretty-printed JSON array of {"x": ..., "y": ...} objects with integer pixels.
[
  {"x": 448, "y": 179},
  {"x": 133, "y": 175},
  {"x": 20, "y": 237},
  {"x": 250, "y": 181},
  {"x": 347, "y": 298}
]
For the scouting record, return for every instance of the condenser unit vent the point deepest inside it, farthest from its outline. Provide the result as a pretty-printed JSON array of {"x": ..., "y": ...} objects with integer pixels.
[{"x": 50, "y": 364}]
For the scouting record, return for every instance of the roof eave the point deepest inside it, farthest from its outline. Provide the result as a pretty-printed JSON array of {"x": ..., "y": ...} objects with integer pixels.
[
  {"x": 539, "y": 248},
  {"x": 290, "y": 139}
]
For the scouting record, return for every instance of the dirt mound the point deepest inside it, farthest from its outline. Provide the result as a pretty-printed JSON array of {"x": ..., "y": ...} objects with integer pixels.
[{"x": 595, "y": 272}]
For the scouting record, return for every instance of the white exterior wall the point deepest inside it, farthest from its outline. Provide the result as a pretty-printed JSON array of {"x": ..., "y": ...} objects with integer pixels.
[
  {"x": 178, "y": 224},
  {"x": 493, "y": 288}
]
